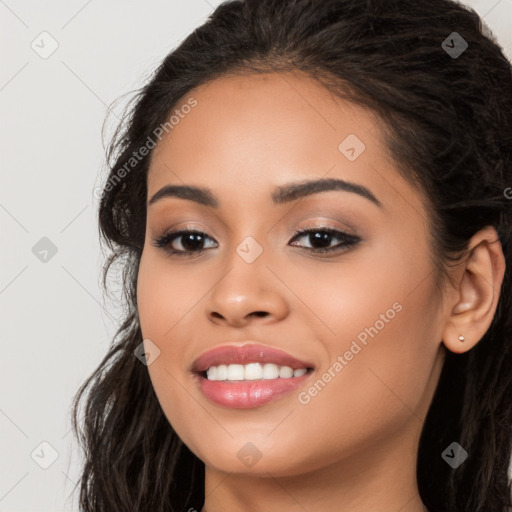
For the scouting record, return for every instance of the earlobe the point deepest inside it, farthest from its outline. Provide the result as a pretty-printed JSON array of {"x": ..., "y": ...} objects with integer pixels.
[{"x": 478, "y": 292}]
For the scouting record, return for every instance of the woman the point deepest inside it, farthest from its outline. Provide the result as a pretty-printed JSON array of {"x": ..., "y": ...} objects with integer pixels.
[{"x": 311, "y": 203}]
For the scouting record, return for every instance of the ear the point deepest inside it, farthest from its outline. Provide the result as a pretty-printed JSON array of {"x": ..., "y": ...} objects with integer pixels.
[{"x": 474, "y": 300}]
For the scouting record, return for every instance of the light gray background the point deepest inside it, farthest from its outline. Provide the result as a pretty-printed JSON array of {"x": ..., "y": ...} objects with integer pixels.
[{"x": 55, "y": 323}]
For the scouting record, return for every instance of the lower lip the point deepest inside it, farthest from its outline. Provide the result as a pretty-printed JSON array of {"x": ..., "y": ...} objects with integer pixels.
[{"x": 250, "y": 393}]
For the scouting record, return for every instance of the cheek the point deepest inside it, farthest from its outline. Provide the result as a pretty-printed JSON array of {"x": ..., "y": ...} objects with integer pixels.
[
  {"x": 166, "y": 296},
  {"x": 366, "y": 392},
  {"x": 381, "y": 340},
  {"x": 364, "y": 287}
]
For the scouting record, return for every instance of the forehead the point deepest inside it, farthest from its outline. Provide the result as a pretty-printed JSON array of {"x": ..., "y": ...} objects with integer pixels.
[
  {"x": 252, "y": 133},
  {"x": 257, "y": 121},
  {"x": 242, "y": 101}
]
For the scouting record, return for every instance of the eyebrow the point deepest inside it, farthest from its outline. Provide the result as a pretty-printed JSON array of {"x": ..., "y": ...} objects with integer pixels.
[{"x": 282, "y": 194}]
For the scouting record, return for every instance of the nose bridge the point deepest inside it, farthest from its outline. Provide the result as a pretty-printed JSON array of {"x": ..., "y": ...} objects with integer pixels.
[
  {"x": 248, "y": 248},
  {"x": 247, "y": 286},
  {"x": 246, "y": 271}
]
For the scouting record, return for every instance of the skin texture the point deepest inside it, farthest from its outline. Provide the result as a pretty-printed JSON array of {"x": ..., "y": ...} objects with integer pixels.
[{"x": 353, "y": 446}]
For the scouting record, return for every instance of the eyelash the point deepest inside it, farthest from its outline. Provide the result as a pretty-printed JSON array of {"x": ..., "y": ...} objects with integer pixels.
[{"x": 347, "y": 242}]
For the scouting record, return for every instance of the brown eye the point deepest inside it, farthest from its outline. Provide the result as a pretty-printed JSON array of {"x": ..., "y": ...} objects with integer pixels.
[
  {"x": 191, "y": 241},
  {"x": 321, "y": 239}
]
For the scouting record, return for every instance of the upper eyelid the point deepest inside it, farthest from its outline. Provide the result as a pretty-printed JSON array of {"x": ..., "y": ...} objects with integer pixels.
[{"x": 302, "y": 231}]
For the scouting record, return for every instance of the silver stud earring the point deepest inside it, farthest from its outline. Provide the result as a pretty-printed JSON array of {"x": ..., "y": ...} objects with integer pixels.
[{"x": 461, "y": 338}]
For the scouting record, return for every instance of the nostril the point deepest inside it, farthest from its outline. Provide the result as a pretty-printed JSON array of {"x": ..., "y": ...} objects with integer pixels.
[{"x": 260, "y": 313}]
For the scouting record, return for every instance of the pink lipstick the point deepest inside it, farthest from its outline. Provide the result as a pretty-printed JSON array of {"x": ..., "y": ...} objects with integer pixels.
[{"x": 248, "y": 376}]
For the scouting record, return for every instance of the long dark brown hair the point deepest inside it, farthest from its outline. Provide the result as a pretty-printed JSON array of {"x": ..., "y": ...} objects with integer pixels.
[{"x": 448, "y": 123}]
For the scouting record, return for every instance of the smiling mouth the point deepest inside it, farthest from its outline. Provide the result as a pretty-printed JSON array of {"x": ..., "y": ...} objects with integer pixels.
[
  {"x": 230, "y": 387},
  {"x": 250, "y": 375},
  {"x": 252, "y": 372}
]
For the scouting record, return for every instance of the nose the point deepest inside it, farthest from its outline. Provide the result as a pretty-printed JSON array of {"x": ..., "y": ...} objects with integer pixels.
[{"x": 247, "y": 293}]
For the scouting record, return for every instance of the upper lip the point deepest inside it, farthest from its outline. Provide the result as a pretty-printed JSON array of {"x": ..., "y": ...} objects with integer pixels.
[{"x": 244, "y": 354}]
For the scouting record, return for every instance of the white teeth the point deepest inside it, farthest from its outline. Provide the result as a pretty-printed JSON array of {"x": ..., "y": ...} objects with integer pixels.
[
  {"x": 252, "y": 371},
  {"x": 270, "y": 371},
  {"x": 235, "y": 372},
  {"x": 285, "y": 372},
  {"x": 222, "y": 372}
]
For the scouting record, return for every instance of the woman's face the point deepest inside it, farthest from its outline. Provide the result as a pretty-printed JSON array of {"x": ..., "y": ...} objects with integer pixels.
[{"x": 363, "y": 316}]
